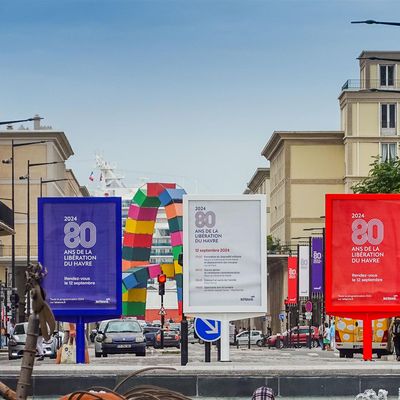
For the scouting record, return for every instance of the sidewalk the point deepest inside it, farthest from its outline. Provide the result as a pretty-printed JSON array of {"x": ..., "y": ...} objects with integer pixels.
[{"x": 220, "y": 380}]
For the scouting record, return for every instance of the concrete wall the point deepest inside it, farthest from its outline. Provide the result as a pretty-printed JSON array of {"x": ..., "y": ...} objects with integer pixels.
[{"x": 316, "y": 161}]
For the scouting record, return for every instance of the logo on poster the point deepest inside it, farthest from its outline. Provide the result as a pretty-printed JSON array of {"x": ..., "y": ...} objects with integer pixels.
[
  {"x": 303, "y": 262},
  {"x": 292, "y": 273},
  {"x": 371, "y": 231},
  {"x": 76, "y": 235},
  {"x": 205, "y": 219},
  {"x": 317, "y": 257}
]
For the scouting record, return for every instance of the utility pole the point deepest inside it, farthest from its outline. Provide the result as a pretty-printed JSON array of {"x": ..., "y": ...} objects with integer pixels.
[{"x": 162, "y": 278}]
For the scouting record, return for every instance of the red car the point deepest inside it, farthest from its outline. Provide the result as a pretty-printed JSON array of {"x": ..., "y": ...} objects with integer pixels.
[{"x": 294, "y": 337}]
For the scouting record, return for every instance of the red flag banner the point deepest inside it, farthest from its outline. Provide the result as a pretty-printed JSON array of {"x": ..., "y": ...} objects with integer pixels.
[{"x": 292, "y": 280}]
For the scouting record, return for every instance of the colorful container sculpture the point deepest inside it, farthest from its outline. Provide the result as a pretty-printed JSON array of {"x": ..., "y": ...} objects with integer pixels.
[{"x": 137, "y": 243}]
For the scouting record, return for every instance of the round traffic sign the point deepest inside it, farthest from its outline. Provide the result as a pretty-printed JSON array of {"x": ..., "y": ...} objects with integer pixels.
[
  {"x": 309, "y": 306},
  {"x": 207, "y": 329}
]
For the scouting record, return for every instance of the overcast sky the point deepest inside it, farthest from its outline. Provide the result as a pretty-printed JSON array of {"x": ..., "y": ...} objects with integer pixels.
[{"x": 187, "y": 91}]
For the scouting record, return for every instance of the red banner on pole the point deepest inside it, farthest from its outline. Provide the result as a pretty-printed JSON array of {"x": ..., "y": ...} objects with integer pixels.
[{"x": 292, "y": 281}]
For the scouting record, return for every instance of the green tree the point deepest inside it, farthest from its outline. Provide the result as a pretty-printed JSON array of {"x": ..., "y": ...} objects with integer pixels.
[
  {"x": 273, "y": 244},
  {"x": 383, "y": 177}
]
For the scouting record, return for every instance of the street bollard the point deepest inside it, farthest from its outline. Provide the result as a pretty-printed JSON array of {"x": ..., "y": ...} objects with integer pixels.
[
  {"x": 207, "y": 349},
  {"x": 184, "y": 341}
]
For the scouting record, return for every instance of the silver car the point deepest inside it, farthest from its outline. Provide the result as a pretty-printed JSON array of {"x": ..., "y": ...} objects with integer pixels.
[
  {"x": 121, "y": 336},
  {"x": 16, "y": 343},
  {"x": 243, "y": 337}
]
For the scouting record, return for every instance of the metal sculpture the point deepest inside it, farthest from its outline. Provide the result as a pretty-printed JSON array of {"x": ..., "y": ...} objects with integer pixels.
[
  {"x": 42, "y": 319},
  {"x": 137, "y": 243}
]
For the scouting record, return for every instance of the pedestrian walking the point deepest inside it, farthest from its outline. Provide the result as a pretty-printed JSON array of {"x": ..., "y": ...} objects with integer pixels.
[
  {"x": 394, "y": 329},
  {"x": 10, "y": 328},
  {"x": 39, "y": 346},
  {"x": 332, "y": 334},
  {"x": 321, "y": 336},
  {"x": 327, "y": 337},
  {"x": 3, "y": 335}
]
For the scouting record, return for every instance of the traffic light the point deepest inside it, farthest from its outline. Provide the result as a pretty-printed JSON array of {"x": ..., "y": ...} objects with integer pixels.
[
  {"x": 14, "y": 298},
  {"x": 162, "y": 278}
]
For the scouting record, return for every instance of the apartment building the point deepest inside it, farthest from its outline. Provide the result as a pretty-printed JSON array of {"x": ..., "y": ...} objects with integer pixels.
[
  {"x": 49, "y": 148},
  {"x": 306, "y": 165}
]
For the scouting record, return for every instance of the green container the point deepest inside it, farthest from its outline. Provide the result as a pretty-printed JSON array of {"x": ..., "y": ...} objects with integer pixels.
[
  {"x": 179, "y": 280},
  {"x": 133, "y": 308},
  {"x": 142, "y": 200},
  {"x": 175, "y": 224},
  {"x": 141, "y": 275},
  {"x": 176, "y": 250}
]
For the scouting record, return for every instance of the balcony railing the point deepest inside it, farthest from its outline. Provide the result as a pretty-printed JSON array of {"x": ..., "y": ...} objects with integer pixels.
[
  {"x": 6, "y": 217},
  {"x": 364, "y": 84},
  {"x": 20, "y": 251}
]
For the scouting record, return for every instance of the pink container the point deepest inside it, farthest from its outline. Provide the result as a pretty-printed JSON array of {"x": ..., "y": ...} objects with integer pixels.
[
  {"x": 142, "y": 214},
  {"x": 176, "y": 239},
  {"x": 154, "y": 270}
]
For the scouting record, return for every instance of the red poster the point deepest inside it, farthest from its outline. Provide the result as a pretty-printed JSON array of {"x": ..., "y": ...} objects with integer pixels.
[
  {"x": 292, "y": 280},
  {"x": 362, "y": 253}
]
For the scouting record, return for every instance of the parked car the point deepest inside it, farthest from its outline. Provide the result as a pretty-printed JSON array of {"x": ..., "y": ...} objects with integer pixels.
[
  {"x": 171, "y": 339},
  {"x": 297, "y": 337},
  {"x": 142, "y": 323},
  {"x": 122, "y": 336},
  {"x": 16, "y": 343},
  {"x": 98, "y": 351},
  {"x": 93, "y": 334},
  {"x": 150, "y": 333},
  {"x": 191, "y": 336},
  {"x": 256, "y": 337},
  {"x": 174, "y": 326}
]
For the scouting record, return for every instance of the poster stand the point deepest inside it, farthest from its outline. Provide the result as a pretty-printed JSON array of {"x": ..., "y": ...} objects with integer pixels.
[
  {"x": 80, "y": 341},
  {"x": 361, "y": 274},
  {"x": 73, "y": 234},
  {"x": 367, "y": 319}
]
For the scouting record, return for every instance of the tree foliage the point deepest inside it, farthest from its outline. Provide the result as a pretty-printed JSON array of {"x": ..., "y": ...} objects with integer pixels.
[
  {"x": 383, "y": 177},
  {"x": 273, "y": 244}
]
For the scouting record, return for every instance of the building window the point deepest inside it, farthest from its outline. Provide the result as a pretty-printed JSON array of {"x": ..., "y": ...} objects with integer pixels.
[
  {"x": 386, "y": 73},
  {"x": 388, "y": 119},
  {"x": 388, "y": 152}
]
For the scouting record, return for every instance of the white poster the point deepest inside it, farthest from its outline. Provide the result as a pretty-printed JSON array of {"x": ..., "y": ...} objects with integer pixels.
[
  {"x": 224, "y": 254},
  {"x": 304, "y": 271}
]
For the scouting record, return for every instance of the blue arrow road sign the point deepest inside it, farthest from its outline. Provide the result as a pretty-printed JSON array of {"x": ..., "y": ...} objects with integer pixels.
[{"x": 207, "y": 329}]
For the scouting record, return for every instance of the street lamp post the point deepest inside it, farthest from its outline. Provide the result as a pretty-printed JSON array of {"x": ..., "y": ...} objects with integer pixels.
[
  {"x": 28, "y": 222},
  {"x": 42, "y": 182},
  {"x": 323, "y": 280},
  {"x": 371, "y": 22},
  {"x": 302, "y": 241}
]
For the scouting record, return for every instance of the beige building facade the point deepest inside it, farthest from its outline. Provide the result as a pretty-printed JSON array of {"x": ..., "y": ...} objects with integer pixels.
[
  {"x": 306, "y": 165},
  {"x": 56, "y": 148},
  {"x": 260, "y": 184}
]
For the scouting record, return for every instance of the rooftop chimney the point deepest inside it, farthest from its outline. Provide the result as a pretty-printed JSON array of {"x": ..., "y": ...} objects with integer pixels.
[{"x": 36, "y": 122}]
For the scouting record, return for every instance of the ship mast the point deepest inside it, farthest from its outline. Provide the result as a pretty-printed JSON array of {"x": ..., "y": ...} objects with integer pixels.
[{"x": 109, "y": 176}]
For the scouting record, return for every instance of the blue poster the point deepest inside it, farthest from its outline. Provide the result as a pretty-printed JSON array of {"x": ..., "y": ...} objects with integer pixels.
[{"x": 80, "y": 246}]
